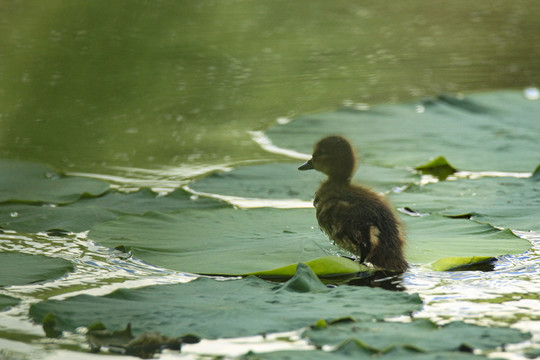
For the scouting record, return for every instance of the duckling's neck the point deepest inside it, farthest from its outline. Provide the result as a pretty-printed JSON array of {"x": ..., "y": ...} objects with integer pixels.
[{"x": 338, "y": 180}]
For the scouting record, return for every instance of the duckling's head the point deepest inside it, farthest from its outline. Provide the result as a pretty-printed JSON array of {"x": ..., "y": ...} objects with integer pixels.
[{"x": 333, "y": 156}]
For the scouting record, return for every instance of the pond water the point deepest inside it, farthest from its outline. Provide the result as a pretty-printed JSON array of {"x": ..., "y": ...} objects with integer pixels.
[
  {"x": 96, "y": 86},
  {"x": 155, "y": 94}
]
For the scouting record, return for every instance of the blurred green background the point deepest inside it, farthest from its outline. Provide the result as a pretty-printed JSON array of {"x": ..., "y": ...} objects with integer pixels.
[{"x": 92, "y": 85}]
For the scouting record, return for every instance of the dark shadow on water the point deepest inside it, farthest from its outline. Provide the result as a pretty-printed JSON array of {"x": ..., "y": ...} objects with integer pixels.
[{"x": 379, "y": 279}]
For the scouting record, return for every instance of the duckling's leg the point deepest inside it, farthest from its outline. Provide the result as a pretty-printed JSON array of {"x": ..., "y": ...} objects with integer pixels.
[
  {"x": 366, "y": 241},
  {"x": 363, "y": 250}
]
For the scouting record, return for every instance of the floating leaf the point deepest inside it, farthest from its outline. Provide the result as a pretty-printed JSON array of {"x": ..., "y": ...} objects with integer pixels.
[
  {"x": 284, "y": 181},
  {"x": 508, "y": 202},
  {"x": 35, "y": 218},
  {"x": 420, "y": 334},
  {"x": 203, "y": 241},
  {"x": 212, "y": 308},
  {"x": 463, "y": 263},
  {"x": 438, "y": 167},
  {"x": 7, "y": 301},
  {"x": 328, "y": 265},
  {"x": 355, "y": 349},
  {"x": 37, "y": 183},
  {"x": 85, "y": 213},
  {"x": 432, "y": 237},
  {"x": 480, "y": 132},
  {"x": 536, "y": 174},
  {"x": 21, "y": 269}
]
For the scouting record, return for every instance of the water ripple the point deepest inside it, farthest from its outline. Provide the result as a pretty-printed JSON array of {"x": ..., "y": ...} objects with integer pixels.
[{"x": 509, "y": 295}]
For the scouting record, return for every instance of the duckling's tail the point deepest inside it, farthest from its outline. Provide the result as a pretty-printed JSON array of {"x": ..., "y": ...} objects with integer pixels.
[{"x": 389, "y": 261}]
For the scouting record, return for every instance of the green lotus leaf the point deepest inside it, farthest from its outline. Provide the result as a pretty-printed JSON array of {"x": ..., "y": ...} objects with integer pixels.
[
  {"x": 422, "y": 335},
  {"x": 284, "y": 181},
  {"x": 506, "y": 202},
  {"x": 22, "y": 269},
  {"x": 328, "y": 265},
  {"x": 233, "y": 308},
  {"x": 355, "y": 349},
  {"x": 36, "y": 183},
  {"x": 462, "y": 263},
  {"x": 85, "y": 213},
  {"x": 536, "y": 173},
  {"x": 205, "y": 241},
  {"x": 438, "y": 167},
  {"x": 28, "y": 218},
  {"x": 7, "y": 301},
  {"x": 482, "y": 132},
  {"x": 432, "y": 237}
]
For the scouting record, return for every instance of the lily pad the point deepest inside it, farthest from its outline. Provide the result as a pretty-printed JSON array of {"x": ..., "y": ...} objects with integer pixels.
[
  {"x": 463, "y": 263},
  {"x": 422, "y": 335},
  {"x": 213, "y": 309},
  {"x": 205, "y": 241},
  {"x": 438, "y": 167},
  {"x": 355, "y": 349},
  {"x": 85, "y": 213},
  {"x": 22, "y": 269},
  {"x": 284, "y": 181},
  {"x": 36, "y": 218},
  {"x": 328, "y": 265},
  {"x": 433, "y": 237},
  {"x": 512, "y": 203},
  {"x": 480, "y": 132},
  {"x": 36, "y": 183}
]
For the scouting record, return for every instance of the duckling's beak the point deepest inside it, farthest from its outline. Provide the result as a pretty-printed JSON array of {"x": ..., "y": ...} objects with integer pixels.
[{"x": 308, "y": 165}]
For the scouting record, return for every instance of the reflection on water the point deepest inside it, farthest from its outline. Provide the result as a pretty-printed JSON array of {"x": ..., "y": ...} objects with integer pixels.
[
  {"x": 97, "y": 268},
  {"x": 507, "y": 296},
  {"x": 150, "y": 84}
]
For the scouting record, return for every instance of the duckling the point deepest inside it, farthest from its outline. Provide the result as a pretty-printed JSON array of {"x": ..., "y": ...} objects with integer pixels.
[{"x": 354, "y": 217}]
